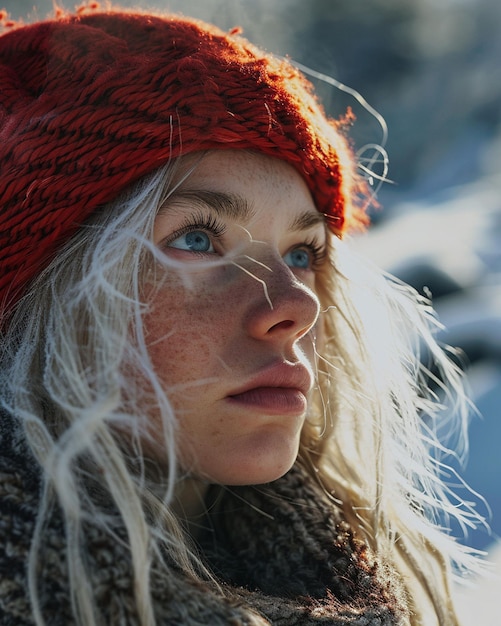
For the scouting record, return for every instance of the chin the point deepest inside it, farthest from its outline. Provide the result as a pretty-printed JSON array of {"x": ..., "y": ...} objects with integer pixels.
[{"x": 261, "y": 464}]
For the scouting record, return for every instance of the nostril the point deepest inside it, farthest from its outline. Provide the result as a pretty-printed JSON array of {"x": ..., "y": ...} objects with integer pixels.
[{"x": 283, "y": 325}]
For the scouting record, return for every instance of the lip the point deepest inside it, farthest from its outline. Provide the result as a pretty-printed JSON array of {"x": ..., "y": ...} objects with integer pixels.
[{"x": 277, "y": 390}]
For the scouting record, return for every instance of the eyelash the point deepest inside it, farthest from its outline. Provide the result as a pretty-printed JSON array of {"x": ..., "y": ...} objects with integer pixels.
[
  {"x": 210, "y": 224},
  {"x": 199, "y": 221},
  {"x": 318, "y": 252}
]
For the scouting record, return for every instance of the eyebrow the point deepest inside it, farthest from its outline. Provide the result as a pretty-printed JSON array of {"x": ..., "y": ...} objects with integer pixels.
[
  {"x": 235, "y": 207},
  {"x": 307, "y": 220},
  {"x": 226, "y": 205}
]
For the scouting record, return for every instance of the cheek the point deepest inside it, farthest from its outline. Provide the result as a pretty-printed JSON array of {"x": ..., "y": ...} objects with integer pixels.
[
  {"x": 178, "y": 343},
  {"x": 176, "y": 356},
  {"x": 184, "y": 329}
]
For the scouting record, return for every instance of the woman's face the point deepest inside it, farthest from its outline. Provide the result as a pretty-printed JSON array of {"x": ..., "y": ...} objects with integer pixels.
[{"x": 230, "y": 329}]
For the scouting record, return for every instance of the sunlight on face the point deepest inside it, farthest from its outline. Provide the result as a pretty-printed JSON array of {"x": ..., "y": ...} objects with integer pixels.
[{"x": 230, "y": 325}]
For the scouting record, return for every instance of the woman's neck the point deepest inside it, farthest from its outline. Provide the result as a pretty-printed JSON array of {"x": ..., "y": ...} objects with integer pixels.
[{"x": 190, "y": 504}]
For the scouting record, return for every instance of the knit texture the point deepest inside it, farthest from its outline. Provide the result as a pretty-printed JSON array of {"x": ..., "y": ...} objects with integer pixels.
[
  {"x": 90, "y": 103},
  {"x": 280, "y": 550}
]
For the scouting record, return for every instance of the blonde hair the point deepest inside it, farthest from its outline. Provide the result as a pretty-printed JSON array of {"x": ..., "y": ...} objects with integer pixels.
[
  {"x": 388, "y": 393},
  {"x": 371, "y": 439}
]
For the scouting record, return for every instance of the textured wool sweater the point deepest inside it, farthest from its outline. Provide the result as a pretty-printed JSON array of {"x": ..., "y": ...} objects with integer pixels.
[{"x": 280, "y": 552}]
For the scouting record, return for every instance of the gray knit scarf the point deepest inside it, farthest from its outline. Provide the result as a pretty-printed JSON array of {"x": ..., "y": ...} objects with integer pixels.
[{"x": 281, "y": 550}]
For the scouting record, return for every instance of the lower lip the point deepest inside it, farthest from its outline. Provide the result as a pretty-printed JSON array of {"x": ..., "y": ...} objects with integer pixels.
[{"x": 273, "y": 400}]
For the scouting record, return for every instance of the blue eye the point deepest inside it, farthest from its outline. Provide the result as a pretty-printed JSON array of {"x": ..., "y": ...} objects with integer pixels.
[
  {"x": 299, "y": 258},
  {"x": 193, "y": 241}
]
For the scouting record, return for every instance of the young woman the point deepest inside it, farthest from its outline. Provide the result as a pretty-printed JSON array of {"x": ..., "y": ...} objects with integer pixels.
[{"x": 212, "y": 411}]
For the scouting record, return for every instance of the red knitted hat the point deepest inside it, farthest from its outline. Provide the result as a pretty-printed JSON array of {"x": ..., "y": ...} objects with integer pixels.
[{"x": 91, "y": 102}]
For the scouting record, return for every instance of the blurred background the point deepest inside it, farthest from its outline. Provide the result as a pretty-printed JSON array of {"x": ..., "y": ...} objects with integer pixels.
[{"x": 432, "y": 70}]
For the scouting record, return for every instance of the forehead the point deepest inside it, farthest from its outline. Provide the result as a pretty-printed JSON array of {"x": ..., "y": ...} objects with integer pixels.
[{"x": 262, "y": 181}]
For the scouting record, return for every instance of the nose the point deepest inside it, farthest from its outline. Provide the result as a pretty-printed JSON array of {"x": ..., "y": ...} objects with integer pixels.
[{"x": 281, "y": 307}]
